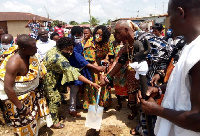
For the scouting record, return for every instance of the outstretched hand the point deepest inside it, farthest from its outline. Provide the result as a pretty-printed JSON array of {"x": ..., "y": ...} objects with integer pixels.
[
  {"x": 151, "y": 92},
  {"x": 155, "y": 79},
  {"x": 102, "y": 80},
  {"x": 150, "y": 107},
  {"x": 95, "y": 85},
  {"x": 100, "y": 68}
]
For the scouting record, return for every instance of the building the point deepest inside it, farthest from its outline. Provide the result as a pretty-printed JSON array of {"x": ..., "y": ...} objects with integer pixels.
[
  {"x": 14, "y": 22},
  {"x": 163, "y": 19}
]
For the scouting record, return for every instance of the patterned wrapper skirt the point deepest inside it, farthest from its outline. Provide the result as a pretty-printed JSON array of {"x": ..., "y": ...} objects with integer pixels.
[{"x": 39, "y": 115}]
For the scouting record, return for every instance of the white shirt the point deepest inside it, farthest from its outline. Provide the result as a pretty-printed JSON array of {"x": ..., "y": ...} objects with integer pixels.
[
  {"x": 177, "y": 95},
  {"x": 43, "y": 47}
]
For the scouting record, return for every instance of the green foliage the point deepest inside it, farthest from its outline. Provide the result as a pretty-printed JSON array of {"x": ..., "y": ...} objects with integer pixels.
[
  {"x": 94, "y": 21},
  {"x": 83, "y": 23},
  {"x": 73, "y": 22},
  {"x": 55, "y": 23},
  {"x": 109, "y": 22}
]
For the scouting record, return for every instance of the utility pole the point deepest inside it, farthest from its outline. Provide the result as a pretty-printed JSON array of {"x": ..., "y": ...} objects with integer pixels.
[
  {"x": 163, "y": 7},
  {"x": 90, "y": 15},
  {"x": 47, "y": 12},
  {"x": 138, "y": 13}
]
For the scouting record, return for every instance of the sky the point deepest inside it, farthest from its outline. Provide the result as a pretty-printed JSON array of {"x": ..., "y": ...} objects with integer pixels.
[{"x": 78, "y": 10}]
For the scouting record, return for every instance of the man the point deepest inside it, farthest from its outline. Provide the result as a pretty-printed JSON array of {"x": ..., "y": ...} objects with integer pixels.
[
  {"x": 34, "y": 26},
  {"x": 6, "y": 42},
  {"x": 44, "y": 43},
  {"x": 20, "y": 90},
  {"x": 159, "y": 54},
  {"x": 179, "y": 113},
  {"x": 49, "y": 26},
  {"x": 59, "y": 29}
]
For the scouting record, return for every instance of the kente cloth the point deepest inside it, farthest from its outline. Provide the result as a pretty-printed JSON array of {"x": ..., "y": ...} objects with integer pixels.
[
  {"x": 77, "y": 60},
  {"x": 119, "y": 80},
  {"x": 30, "y": 93},
  {"x": 5, "y": 53},
  {"x": 177, "y": 95}
]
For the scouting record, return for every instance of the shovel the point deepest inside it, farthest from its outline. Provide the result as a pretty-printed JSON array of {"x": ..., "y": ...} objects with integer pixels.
[{"x": 94, "y": 115}]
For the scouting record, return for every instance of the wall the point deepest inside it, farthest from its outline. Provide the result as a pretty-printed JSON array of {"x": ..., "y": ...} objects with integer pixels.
[{"x": 18, "y": 27}]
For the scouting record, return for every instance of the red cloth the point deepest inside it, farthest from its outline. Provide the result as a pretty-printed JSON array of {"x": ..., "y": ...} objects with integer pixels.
[{"x": 60, "y": 31}]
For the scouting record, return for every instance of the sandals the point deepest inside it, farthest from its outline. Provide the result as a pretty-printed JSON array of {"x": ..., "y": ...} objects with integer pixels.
[
  {"x": 58, "y": 127},
  {"x": 134, "y": 130}
]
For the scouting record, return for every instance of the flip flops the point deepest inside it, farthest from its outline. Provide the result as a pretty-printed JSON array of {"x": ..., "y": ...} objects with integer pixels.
[{"x": 58, "y": 127}]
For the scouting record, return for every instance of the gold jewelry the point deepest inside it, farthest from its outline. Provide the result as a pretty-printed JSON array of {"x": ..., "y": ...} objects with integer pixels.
[{"x": 130, "y": 57}]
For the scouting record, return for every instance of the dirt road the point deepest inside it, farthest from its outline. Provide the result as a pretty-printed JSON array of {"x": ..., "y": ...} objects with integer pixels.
[{"x": 115, "y": 123}]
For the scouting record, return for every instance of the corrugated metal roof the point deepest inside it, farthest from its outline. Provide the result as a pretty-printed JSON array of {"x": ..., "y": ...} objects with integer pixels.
[{"x": 8, "y": 16}]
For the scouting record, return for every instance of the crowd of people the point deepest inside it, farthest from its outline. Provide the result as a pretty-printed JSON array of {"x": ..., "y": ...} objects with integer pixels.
[{"x": 37, "y": 69}]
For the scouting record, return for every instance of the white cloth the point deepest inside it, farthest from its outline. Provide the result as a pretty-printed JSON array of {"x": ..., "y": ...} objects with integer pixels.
[
  {"x": 177, "y": 96},
  {"x": 43, "y": 47},
  {"x": 140, "y": 68}
]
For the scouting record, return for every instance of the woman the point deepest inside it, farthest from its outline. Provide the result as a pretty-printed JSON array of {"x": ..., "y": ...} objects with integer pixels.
[
  {"x": 104, "y": 51},
  {"x": 77, "y": 59},
  {"x": 59, "y": 73},
  {"x": 157, "y": 30},
  {"x": 89, "y": 53}
]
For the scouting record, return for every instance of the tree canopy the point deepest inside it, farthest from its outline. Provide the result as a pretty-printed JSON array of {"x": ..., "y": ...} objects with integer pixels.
[
  {"x": 73, "y": 22},
  {"x": 94, "y": 21}
]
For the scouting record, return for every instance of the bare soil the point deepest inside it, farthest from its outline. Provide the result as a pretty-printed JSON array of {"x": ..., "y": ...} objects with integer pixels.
[{"x": 115, "y": 123}]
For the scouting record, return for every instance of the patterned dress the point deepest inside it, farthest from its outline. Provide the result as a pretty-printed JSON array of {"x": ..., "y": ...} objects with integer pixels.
[
  {"x": 101, "y": 52},
  {"x": 59, "y": 74},
  {"x": 90, "y": 93},
  {"x": 30, "y": 93}
]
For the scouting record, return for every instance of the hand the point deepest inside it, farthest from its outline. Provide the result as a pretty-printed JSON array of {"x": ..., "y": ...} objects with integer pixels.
[
  {"x": 152, "y": 91},
  {"x": 95, "y": 85},
  {"x": 102, "y": 80},
  {"x": 150, "y": 107},
  {"x": 138, "y": 96},
  {"x": 37, "y": 21},
  {"x": 100, "y": 68},
  {"x": 106, "y": 61},
  {"x": 155, "y": 79}
]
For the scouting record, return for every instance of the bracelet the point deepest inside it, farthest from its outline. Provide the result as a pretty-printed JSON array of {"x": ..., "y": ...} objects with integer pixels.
[
  {"x": 91, "y": 83},
  {"x": 109, "y": 77}
]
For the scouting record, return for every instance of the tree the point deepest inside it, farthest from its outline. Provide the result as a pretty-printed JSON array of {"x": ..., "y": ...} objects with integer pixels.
[
  {"x": 73, "y": 22},
  {"x": 55, "y": 22},
  {"x": 109, "y": 22},
  {"x": 83, "y": 23},
  {"x": 104, "y": 24},
  {"x": 94, "y": 21}
]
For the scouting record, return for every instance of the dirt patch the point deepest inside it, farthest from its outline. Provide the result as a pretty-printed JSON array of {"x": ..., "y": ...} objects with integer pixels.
[{"x": 114, "y": 123}]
